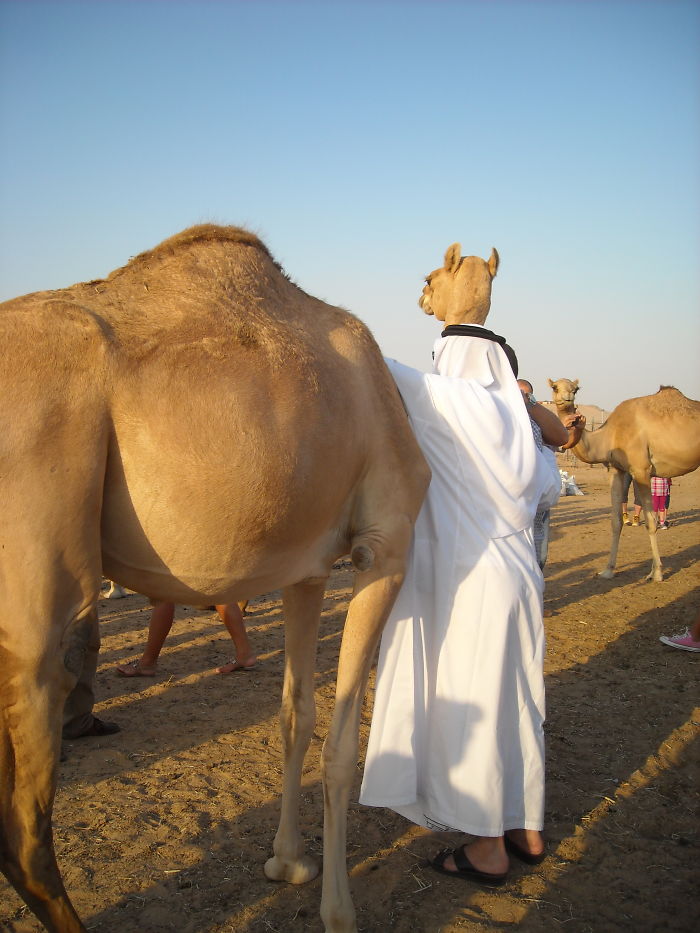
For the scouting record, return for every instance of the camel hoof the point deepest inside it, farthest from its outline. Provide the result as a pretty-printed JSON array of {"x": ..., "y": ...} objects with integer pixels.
[
  {"x": 607, "y": 574},
  {"x": 297, "y": 871},
  {"x": 654, "y": 577}
]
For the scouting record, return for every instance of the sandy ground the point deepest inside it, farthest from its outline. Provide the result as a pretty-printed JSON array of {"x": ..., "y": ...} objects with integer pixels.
[{"x": 166, "y": 826}]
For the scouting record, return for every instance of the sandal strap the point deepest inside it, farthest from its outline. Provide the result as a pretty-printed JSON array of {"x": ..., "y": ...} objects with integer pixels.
[{"x": 461, "y": 860}]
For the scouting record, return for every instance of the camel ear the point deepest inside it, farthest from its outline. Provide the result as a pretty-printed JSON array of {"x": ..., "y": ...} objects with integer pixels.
[
  {"x": 575, "y": 384},
  {"x": 453, "y": 257},
  {"x": 552, "y": 383},
  {"x": 494, "y": 261}
]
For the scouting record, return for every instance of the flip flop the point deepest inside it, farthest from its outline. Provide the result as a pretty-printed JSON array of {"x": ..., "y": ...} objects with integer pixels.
[
  {"x": 133, "y": 670},
  {"x": 522, "y": 854},
  {"x": 465, "y": 869},
  {"x": 237, "y": 668}
]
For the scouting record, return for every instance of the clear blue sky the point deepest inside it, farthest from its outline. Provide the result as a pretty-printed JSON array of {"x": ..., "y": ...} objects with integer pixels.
[{"x": 360, "y": 140}]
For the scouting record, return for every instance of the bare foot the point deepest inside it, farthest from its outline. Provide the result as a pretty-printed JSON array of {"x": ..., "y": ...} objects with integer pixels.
[
  {"x": 528, "y": 841},
  {"x": 234, "y": 666},
  {"x": 487, "y": 854},
  {"x": 134, "y": 669}
]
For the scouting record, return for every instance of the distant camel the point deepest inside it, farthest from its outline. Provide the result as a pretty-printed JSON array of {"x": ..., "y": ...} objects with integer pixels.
[
  {"x": 202, "y": 431},
  {"x": 655, "y": 435}
]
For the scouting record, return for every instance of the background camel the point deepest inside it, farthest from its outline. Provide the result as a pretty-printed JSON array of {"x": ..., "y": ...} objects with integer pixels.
[
  {"x": 199, "y": 430},
  {"x": 655, "y": 435}
]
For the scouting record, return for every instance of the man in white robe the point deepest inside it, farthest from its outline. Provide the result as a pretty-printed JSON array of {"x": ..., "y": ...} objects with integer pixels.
[{"x": 457, "y": 731}]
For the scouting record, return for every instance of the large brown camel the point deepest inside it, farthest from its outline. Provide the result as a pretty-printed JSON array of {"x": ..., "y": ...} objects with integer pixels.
[
  {"x": 655, "y": 435},
  {"x": 200, "y": 430}
]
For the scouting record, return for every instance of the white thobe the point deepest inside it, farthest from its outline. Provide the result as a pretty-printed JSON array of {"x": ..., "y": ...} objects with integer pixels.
[{"x": 456, "y": 740}]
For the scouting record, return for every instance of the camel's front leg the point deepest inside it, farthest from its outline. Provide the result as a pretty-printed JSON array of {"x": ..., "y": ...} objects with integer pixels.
[
  {"x": 302, "y": 611},
  {"x": 374, "y": 596},
  {"x": 617, "y": 484},
  {"x": 33, "y": 685}
]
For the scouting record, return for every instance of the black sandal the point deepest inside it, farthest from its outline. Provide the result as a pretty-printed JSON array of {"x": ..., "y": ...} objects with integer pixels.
[{"x": 465, "y": 869}]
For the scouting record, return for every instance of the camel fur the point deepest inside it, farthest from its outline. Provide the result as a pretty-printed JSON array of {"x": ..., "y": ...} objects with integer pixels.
[
  {"x": 198, "y": 429},
  {"x": 654, "y": 435}
]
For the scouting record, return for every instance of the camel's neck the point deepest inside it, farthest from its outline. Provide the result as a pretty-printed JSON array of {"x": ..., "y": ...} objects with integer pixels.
[{"x": 593, "y": 446}]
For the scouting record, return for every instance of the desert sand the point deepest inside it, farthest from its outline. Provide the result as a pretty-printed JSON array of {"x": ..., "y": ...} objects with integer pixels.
[{"x": 166, "y": 825}]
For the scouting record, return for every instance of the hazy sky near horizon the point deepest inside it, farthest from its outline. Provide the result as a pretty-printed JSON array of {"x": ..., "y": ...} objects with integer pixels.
[{"x": 360, "y": 140}]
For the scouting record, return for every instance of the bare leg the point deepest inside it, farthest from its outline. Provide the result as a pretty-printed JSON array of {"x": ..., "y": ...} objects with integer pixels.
[
  {"x": 232, "y": 617},
  {"x": 158, "y": 630}
]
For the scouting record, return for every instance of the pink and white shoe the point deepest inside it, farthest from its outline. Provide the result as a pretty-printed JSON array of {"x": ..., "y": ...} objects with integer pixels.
[{"x": 684, "y": 641}]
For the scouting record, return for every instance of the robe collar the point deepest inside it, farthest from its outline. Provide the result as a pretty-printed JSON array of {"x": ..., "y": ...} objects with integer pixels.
[
  {"x": 471, "y": 330},
  {"x": 476, "y": 330}
]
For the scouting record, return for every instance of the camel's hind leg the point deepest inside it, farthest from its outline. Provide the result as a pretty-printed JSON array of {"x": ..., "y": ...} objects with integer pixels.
[
  {"x": 617, "y": 486},
  {"x": 302, "y": 611}
]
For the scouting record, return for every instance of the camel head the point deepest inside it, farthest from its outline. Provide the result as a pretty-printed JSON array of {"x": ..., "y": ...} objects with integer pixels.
[
  {"x": 564, "y": 394},
  {"x": 460, "y": 292}
]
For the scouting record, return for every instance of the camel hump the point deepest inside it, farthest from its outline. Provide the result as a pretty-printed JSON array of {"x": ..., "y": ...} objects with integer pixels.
[
  {"x": 667, "y": 403},
  {"x": 670, "y": 400},
  {"x": 201, "y": 234},
  {"x": 201, "y": 237}
]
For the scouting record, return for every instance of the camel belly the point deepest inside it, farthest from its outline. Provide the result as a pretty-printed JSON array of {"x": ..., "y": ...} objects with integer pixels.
[
  {"x": 675, "y": 460},
  {"x": 217, "y": 517},
  {"x": 202, "y": 585},
  {"x": 214, "y": 544}
]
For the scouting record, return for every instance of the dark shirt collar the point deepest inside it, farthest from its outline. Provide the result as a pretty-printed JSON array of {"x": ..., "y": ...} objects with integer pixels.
[{"x": 471, "y": 330}]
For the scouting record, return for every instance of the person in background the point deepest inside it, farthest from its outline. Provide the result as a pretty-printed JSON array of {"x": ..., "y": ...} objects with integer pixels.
[
  {"x": 549, "y": 433},
  {"x": 636, "y": 518},
  {"x": 688, "y": 640},
  {"x": 78, "y": 719},
  {"x": 160, "y": 625},
  {"x": 659, "y": 491}
]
